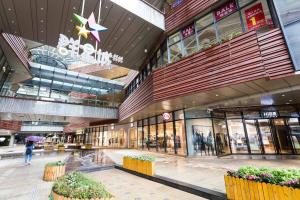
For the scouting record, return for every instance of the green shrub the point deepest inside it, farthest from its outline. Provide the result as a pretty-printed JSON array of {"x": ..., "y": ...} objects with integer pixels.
[
  {"x": 144, "y": 157},
  {"x": 59, "y": 163},
  {"x": 76, "y": 185},
  {"x": 60, "y": 145},
  {"x": 286, "y": 177}
]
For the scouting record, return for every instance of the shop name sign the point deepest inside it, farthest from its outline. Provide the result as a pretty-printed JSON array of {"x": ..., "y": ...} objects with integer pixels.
[
  {"x": 255, "y": 17},
  {"x": 225, "y": 10},
  {"x": 188, "y": 31},
  {"x": 85, "y": 52}
]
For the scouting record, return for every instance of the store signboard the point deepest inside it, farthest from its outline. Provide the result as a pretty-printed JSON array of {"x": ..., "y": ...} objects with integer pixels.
[
  {"x": 255, "y": 17},
  {"x": 166, "y": 116},
  {"x": 188, "y": 31},
  {"x": 225, "y": 10}
]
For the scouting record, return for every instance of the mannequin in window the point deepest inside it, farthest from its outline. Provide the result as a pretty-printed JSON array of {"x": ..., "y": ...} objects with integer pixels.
[{"x": 209, "y": 143}]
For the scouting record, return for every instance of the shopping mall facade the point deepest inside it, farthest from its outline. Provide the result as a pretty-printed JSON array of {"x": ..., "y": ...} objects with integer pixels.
[{"x": 221, "y": 79}]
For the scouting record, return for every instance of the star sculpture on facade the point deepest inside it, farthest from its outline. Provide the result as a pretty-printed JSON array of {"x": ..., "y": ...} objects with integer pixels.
[{"x": 94, "y": 28}]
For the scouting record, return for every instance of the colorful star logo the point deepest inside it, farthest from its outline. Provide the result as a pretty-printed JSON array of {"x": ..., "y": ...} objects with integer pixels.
[{"x": 93, "y": 26}]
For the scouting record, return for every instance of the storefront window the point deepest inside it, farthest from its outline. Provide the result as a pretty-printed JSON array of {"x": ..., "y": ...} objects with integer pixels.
[
  {"x": 204, "y": 21},
  {"x": 146, "y": 137},
  {"x": 282, "y": 134},
  {"x": 207, "y": 37},
  {"x": 180, "y": 140},
  {"x": 295, "y": 133},
  {"x": 170, "y": 137},
  {"x": 200, "y": 137},
  {"x": 238, "y": 139},
  {"x": 222, "y": 143},
  {"x": 133, "y": 138},
  {"x": 229, "y": 27},
  {"x": 105, "y": 137},
  {"x": 190, "y": 45},
  {"x": 160, "y": 139},
  {"x": 140, "y": 137},
  {"x": 175, "y": 52},
  {"x": 244, "y": 2},
  {"x": 253, "y": 137},
  {"x": 152, "y": 142}
]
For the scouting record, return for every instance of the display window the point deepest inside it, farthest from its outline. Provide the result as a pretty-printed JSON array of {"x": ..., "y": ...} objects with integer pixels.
[{"x": 238, "y": 140}]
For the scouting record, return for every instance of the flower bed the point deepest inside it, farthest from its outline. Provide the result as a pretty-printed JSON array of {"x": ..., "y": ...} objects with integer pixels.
[
  {"x": 54, "y": 170},
  {"x": 263, "y": 183},
  {"x": 143, "y": 164},
  {"x": 76, "y": 186}
]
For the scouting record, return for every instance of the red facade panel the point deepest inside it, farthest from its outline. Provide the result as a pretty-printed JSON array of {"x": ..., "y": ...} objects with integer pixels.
[
  {"x": 246, "y": 58},
  {"x": 10, "y": 125},
  {"x": 185, "y": 12}
]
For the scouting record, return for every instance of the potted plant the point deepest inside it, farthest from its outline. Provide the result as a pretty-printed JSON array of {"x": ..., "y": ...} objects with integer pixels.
[
  {"x": 263, "y": 183},
  {"x": 61, "y": 147},
  {"x": 77, "y": 186},
  {"x": 54, "y": 170}
]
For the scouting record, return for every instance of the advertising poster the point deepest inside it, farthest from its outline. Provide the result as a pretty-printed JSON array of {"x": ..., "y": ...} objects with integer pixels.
[
  {"x": 255, "y": 17},
  {"x": 225, "y": 10}
]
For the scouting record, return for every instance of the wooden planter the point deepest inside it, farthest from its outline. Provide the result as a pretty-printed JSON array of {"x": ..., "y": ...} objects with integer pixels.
[
  {"x": 143, "y": 167},
  {"x": 240, "y": 189},
  {"x": 88, "y": 146},
  {"x": 51, "y": 173},
  {"x": 59, "y": 197},
  {"x": 61, "y": 148}
]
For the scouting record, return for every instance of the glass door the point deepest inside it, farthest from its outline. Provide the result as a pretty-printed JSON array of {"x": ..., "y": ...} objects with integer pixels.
[
  {"x": 295, "y": 133},
  {"x": 133, "y": 139},
  {"x": 282, "y": 134},
  {"x": 267, "y": 138},
  {"x": 253, "y": 137}
]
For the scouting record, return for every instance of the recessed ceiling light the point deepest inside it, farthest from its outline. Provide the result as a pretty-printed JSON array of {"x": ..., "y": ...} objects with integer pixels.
[
  {"x": 74, "y": 8},
  {"x": 106, "y": 7},
  {"x": 42, "y": 31},
  {"x": 283, "y": 95},
  {"x": 13, "y": 21},
  {"x": 146, "y": 50},
  {"x": 129, "y": 18},
  {"x": 42, "y": 21},
  {"x": 287, "y": 103},
  {"x": 290, "y": 100},
  {"x": 9, "y": 9},
  {"x": 217, "y": 95},
  {"x": 42, "y": 8}
]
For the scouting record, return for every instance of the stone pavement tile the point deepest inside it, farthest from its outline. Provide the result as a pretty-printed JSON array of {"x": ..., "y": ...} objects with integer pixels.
[
  {"x": 20, "y": 182},
  {"x": 125, "y": 186},
  {"x": 207, "y": 172}
]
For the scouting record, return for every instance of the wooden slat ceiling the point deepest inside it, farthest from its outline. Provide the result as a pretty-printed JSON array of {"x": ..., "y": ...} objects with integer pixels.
[{"x": 43, "y": 20}]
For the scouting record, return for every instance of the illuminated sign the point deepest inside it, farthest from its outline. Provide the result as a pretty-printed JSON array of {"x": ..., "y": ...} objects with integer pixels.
[
  {"x": 166, "y": 116},
  {"x": 188, "y": 31}
]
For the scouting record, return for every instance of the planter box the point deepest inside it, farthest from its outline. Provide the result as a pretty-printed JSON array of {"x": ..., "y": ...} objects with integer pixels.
[
  {"x": 88, "y": 146},
  {"x": 61, "y": 148},
  {"x": 51, "y": 173},
  {"x": 59, "y": 197},
  {"x": 237, "y": 188},
  {"x": 143, "y": 167},
  {"x": 48, "y": 147}
]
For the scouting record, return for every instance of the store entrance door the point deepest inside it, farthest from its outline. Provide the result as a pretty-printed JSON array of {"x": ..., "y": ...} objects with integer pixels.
[
  {"x": 132, "y": 138},
  {"x": 282, "y": 136}
]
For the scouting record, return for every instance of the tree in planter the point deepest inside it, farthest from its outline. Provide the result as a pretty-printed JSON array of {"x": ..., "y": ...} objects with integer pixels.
[{"x": 76, "y": 186}]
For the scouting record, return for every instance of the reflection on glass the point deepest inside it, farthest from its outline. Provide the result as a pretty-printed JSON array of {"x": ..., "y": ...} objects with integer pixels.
[
  {"x": 152, "y": 143},
  {"x": 174, "y": 38},
  {"x": 295, "y": 132},
  {"x": 253, "y": 137},
  {"x": 170, "y": 137},
  {"x": 229, "y": 27},
  {"x": 283, "y": 138},
  {"x": 204, "y": 21},
  {"x": 175, "y": 52},
  {"x": 207, "y": 37},
  {"x": 244, "y": 2},
  {"x": 133, "y": 138},
  {"x": 266, "y": 136},
  {"x": 237, "y": 136},
  {"x": 180, "y": 140},
  {"x": 160, "y": 138},
  {"x": 190, "y": 45},
  {"x": 222, "y": 144}
]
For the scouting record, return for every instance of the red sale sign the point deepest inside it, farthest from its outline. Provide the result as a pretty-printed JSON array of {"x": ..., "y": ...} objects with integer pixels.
[
  {"x": 225, "y": 10},
  {"x": 255, "y": 17}
]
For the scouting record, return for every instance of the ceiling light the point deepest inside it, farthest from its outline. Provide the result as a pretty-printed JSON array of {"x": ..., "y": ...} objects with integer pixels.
[
  {"x": 217, "y": 95},
  {"x": 283, "y": 95},
  {"x": 42, "y": 8},
  {"x": 290, "y": 100},
  {"x": 106, "y": 7},
  {"x": 42, "y": 21},
  {"x": 42, "y": 31},
  {"x": 74, "y": 8},
  {"x": 129, "y": 18},
  {"x": 146, "y": 50},
  {"x": 287, "y": 103},
  {"x": 13, "y": 21},
  {"x": 9, "y": 9}
]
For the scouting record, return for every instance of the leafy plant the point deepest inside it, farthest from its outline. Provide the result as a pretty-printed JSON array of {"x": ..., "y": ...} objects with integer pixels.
[
  {"x": 61, "y": 145},
  {"x": 59, "y": 163},
  {"x": 76, "y": 185},
  {"x": 285, "y": 177},
  {"x": 144, "y": 157}
]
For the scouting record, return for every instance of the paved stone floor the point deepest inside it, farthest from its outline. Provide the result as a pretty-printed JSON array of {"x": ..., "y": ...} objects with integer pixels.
[
  {"x": 207, "y": 172},
  {"x": 125, "y": 186},
  {"x": 20, "y": 182}
]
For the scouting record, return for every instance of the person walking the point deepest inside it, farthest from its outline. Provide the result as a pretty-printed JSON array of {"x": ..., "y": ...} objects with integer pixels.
[{"x": 28, "y": 152}]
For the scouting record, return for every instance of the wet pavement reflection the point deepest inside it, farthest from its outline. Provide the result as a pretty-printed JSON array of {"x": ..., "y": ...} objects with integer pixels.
[{"x": 88, "y": 160}]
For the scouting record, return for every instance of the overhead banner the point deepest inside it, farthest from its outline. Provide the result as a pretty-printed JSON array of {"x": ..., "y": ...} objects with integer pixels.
[
  {"x": 225, "y": 10},
  {"x": 255, "y": 17}
]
